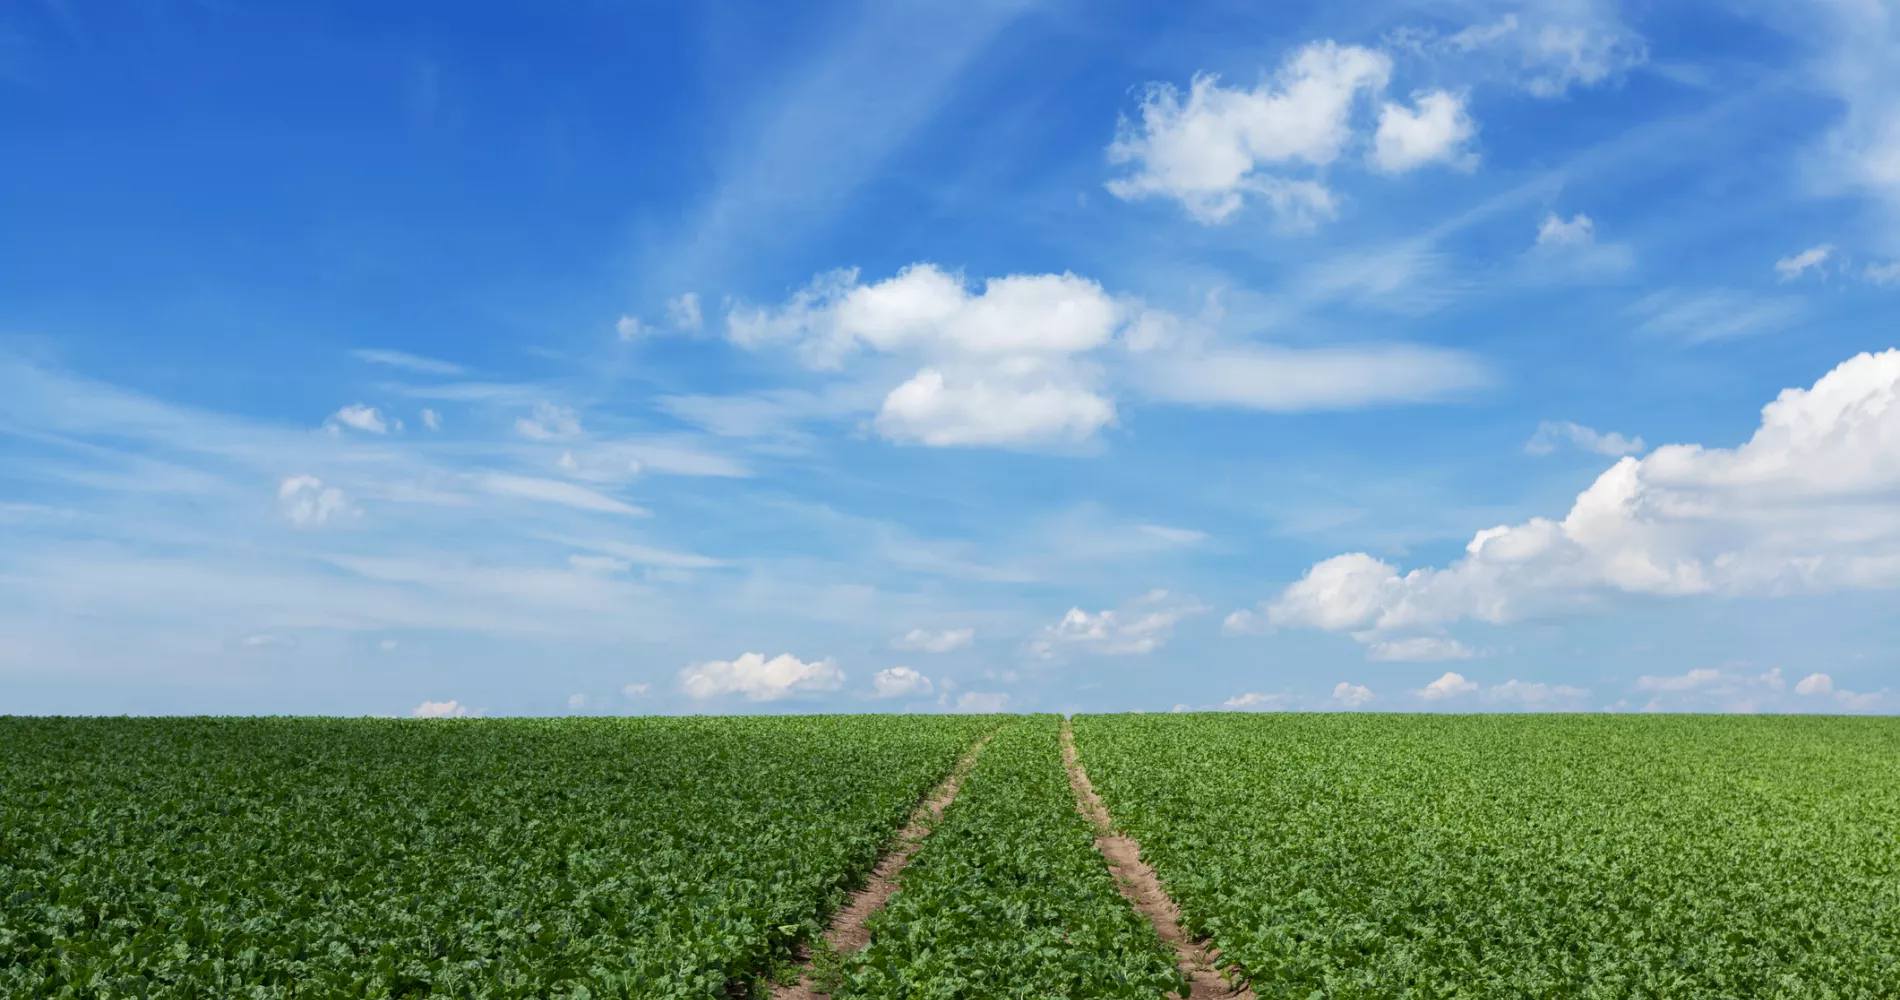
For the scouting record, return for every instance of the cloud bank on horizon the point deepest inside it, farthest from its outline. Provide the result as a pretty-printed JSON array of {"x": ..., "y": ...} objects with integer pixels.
[{"x": 1470, "y": 357}]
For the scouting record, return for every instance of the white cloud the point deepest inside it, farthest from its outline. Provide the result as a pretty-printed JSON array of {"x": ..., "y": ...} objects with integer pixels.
[
  {"x": 413, "y": 362},
  {"x": 1451, "y": 685},
  {"x": 684, "y": 313},
  {"x": 386, "y": 645},
  {"x": 1181, "y": 708},
  {"x": 363, "y": 418},
  {"x": 1351, "y": 695},
  {"x": 1815, "y": 684},
  {"x": 982, "y": 702},
  {"x": 308, "y": 503},
  {"x": 1697, "y": 317},
  {"x": 1569, "y": 251},
  {"x": 1554, "y": 231},
  {"x": 1536, "y": 694},
  {"x": 265, "y": 639},
  {"x": 898, "y": 682},
  {"x": 1883, "y": 274},
  {"x": 1257, "y": 700},
  {"x": 576, "y": 702},
  {"x": 1436, "y": 131},
  {"x": 1549, "y": 48},
  {"x": 1552, "y": 432},
  {"x": 1212, "y": 148},
  {"x": 1287, "y": 380},
  {"x": 628, "y": 328},
  {"x": 598, "y": 564},
  {"x": 636, "y": 690},
  {"x": 1794, "y": 266},
  {"x": 999, "y": 366},
  {"x": 1419, "y": 649},
  {"x": 556, "y": 492},
  {"x": 1800, "y": 507},
  {"x": 934, "y": 642},
  {"x": 432, "y": 420},
  {"x": 641, "y": 555},
  {"x": 549, "y": 423},
  {"x": 440, "y": 710},
  {"x": 1698, "y": 678},
  {"x": 1142, "y": 625},
  {"x": 758, "y": 678}
]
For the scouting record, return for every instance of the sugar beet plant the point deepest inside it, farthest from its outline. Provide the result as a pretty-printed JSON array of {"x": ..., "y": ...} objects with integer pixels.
[
  {"x": 1009, "y": 898},
  {"x": 1523, "y": 856},
  {"x": 376, "y": 858}
]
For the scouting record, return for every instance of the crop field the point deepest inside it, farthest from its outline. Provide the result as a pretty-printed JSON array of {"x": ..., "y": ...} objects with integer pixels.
[
  {"x": 1326, "y": 857},
  {"x": 1008, "y": 897},
  {"x": 1372, "y": 856},
  {"x": 491, "y": 858}
]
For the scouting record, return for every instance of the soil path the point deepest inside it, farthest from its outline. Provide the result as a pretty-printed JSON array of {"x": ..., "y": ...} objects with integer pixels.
[
  {"x": 1200, "y": 961},
  {"x": 847, "y": 932}
]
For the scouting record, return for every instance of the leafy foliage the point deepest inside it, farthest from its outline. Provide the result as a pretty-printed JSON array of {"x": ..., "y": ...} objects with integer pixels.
[
  {"x": 1522, "y": 856},
  {"x": 1009, "y": 898},
  {"x": 468, "y": 858}
]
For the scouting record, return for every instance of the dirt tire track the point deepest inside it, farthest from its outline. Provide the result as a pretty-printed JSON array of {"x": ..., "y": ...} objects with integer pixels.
[
  {"x": 1199, "y": 960},
  {"x": 847, "y": 933}
]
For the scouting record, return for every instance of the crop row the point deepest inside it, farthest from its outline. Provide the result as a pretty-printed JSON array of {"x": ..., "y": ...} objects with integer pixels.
[
  {"x": 1524, "y": 856},
  {"x": 1009, "y": 898},
  {"x": 478, "y": 858}
]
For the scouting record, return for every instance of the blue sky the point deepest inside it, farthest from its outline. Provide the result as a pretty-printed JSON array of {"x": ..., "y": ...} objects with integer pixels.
[{"x": 858, "y": 357}]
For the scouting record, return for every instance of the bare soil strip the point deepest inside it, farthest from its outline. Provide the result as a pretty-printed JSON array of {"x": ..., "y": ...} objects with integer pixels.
[
  {"x": 1200, "y": 960},
  {"x": 847, "y": 932}
]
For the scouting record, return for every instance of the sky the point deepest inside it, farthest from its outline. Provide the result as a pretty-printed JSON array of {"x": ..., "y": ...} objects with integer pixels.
[{"x": 448, "y": 359}]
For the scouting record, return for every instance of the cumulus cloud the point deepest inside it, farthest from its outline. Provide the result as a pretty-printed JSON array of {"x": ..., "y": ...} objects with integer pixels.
[
  {"x": 628, "y": 328},
  {"x": 1351, "y": 695},
  {"x": 1815, "y": 684},
  {"x": 308, "y": 503},
  {"x": 1567, "y": 250},
  {"x": 1451, "y": 685},
  {"x": 1213, "y": 147},
  {"x": 1256, "y": 701},
  {"x": 363, "y": 418},
  {"x": 1435, "y": 130},
  {"x": 1142, "y": 625},
  {"x": 1792, "y": 267},
  {"x": 684, "y": 313},
  {"x": 638, "y": 690},
  {"x": 999, "y": 366},
  {"x": 1805, "y": 505},
  {"x": 1419, "y": 649},
  {"x": 576, "y": 702},
  {"x": 1551, "y": 433},
  {"x": 1554, "y": 231},
  {"x": 926, "y": 641},
  {"x": 758, "y": 678},
  {"x": 432, "y": 420},
  {"x": 440, "y": 710},
  {"x": 549, "y": 423},
  {"x": 982, "y": 702},
  {"x": 899, "y": 682}
]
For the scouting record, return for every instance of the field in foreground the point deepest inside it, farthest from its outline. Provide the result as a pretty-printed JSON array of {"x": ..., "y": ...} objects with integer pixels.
[
  {"x": 1327, "y": 856},
  {"x": 492, "y": 858},
  {"x": 1375, "y": 856}
]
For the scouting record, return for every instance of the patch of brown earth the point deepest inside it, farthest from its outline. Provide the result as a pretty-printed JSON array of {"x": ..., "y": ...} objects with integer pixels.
[
  {"x": 1199, "y": 960},
  {"x": 847, "y": 932}
]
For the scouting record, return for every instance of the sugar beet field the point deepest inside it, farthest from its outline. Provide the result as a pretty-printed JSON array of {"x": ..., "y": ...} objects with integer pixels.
[{"x": 1297, "y": 856}]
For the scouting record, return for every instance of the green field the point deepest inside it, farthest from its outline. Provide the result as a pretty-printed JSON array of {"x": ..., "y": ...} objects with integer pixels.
[
  {"x": 1327, "y": 856},
  {"x": 1375, "y": 856},
  {"x": 492, "y": 858}
]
